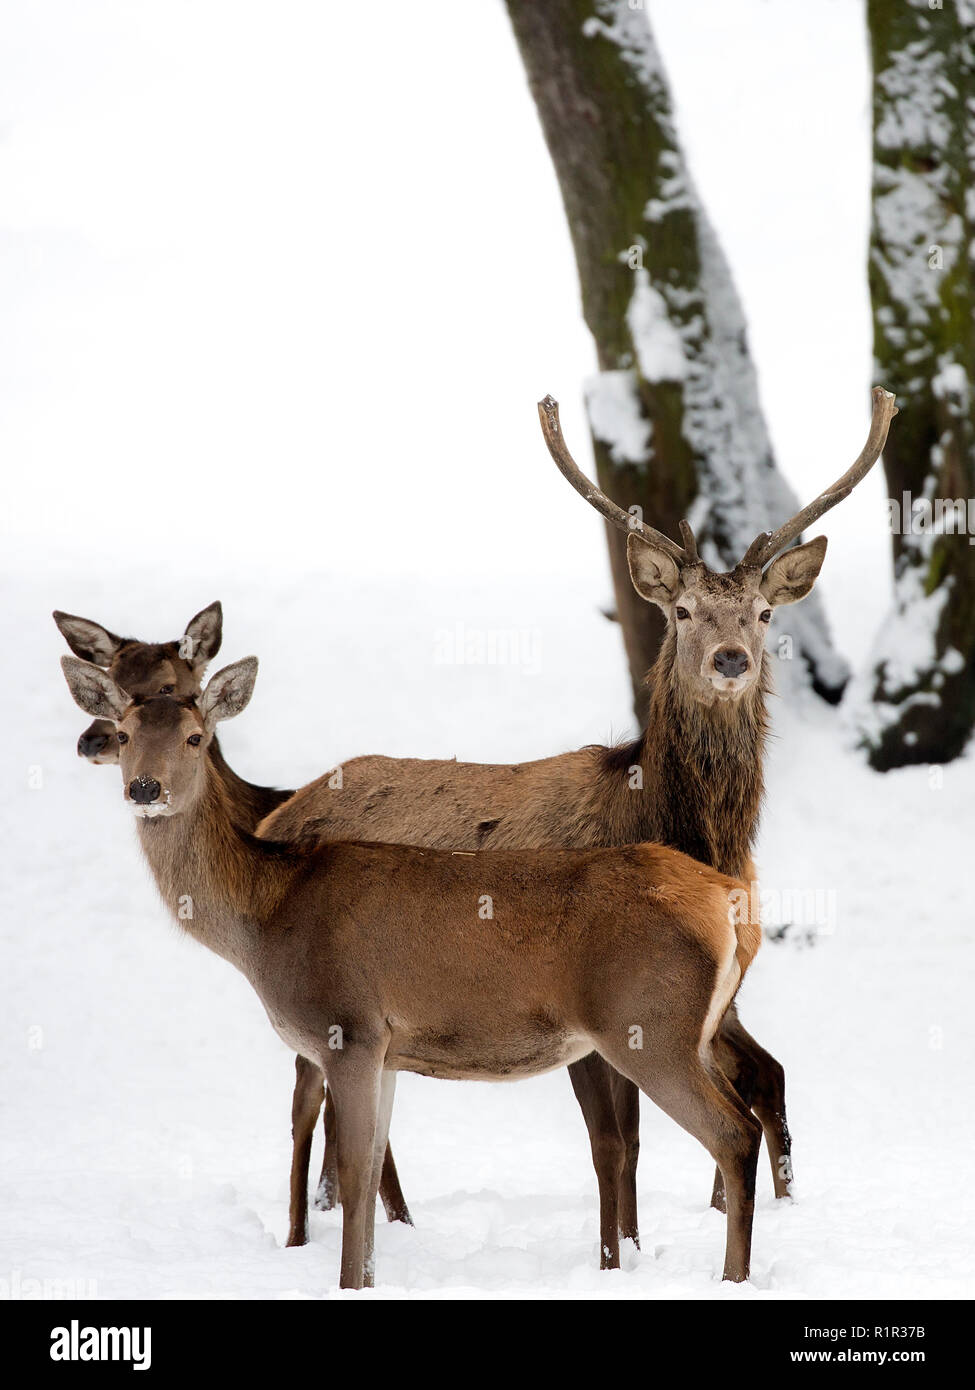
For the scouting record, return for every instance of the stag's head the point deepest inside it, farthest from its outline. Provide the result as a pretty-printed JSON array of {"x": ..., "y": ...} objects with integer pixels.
[
  {"x": 162, "y": 739},
  {"x": 142, "y": 669},
  {"x": 719, "y": 620}
]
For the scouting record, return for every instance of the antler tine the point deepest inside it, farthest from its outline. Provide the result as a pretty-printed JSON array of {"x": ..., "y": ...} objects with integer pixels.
[
  {"x": 768, "y": 543},
  {"x": 548, "y": 414},
  {"x": 690, "y": 543}
]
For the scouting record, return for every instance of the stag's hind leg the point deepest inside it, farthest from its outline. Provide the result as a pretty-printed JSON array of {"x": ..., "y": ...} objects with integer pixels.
[
  {"x": 759, "y": 1081},
  {"x": 703, "y": 1102},
  {"x": 390, "y": 1192},
  {"x": 592, "y": 1081},
  {"x": 305, "y": 1105}
]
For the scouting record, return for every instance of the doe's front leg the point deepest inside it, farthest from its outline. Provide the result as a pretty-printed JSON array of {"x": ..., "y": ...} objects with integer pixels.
[{"x": 355, "y": 1079}]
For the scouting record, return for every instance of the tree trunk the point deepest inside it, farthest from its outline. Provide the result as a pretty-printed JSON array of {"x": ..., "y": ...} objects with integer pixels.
[
  {"x": 674, "y": 413},
  {"x": 922, "y": 678}
]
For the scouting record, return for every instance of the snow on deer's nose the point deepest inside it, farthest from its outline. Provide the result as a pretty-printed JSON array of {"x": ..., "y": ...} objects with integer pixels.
[{"x": 144, "y": 790}]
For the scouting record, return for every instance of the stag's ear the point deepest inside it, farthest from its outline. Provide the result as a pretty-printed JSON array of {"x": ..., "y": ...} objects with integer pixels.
[
  {"x": 93, "y": 690},
  {"x": 655, "y": 575},
  {"x": 88, "y": 640},
  {"x": 228, "y": 692},
  {"x": 790, "y": 577},
  {"x": 201, "y": 640}
]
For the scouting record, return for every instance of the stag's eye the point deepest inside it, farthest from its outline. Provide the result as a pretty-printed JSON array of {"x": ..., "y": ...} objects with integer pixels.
[
  {"x": 195, "y": 740},
  {"x": 765, "y": 616},
  {"x": 122, "y": 738},
  {"x": 166, "y": 689},
  {"x": 681, "y": 614}
]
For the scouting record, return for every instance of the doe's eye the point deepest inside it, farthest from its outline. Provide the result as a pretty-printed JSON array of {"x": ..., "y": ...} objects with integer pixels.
[
  {"x": 681, "y": 613},
  {"x": 122, "y": 738},
  {"x": 166, "y": 689},
  {"x": 195, "y": 740},
  {"x": 765, "y": 616}
]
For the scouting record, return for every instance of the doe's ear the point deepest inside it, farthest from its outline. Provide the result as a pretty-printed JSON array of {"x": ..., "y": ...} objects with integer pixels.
[
  {"x": 203, "y": 635},
  {"x": 93, "y": 689},
  {"x": 228, "y": 692},
  {"x": 90, "y": 641},
  {"x": 793, "y": 573},
  {"x": 655, "y": 575}
]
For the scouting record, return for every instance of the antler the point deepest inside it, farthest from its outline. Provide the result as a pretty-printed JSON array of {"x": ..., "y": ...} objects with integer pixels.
[
  {"x": 768, "y": 543},
  {"x": 548, "y": 414}
]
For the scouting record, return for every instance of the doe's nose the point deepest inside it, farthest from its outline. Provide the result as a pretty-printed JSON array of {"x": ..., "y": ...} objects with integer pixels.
[
  {"x": 144, "y": 790},
  {"x": 91, "y": 744},
  {"x": 731, "y": 661}
]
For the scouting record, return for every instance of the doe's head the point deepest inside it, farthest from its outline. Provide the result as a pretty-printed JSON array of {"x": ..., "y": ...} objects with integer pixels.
[
  {"x": 162, "y": 739},
  {"x": 141, "y": 669}
]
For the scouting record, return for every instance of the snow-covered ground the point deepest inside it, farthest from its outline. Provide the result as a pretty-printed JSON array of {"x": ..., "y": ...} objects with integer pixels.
[
  {"x": 296, "y": 286},
  {"x": 145, "y": 1131}
]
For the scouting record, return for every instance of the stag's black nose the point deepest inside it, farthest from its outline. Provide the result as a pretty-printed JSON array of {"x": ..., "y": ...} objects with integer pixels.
[
  {"x": 144, "y": 790},
  {"x": 732, "y": 661},
  {"x": 90, "y": 745}
]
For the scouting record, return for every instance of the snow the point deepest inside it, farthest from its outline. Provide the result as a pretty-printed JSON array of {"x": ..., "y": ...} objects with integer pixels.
[
  {"x": 146, "y": 1101},
  {"x": 659, "y": 350},
  {"x": 615, "y": 415},
  {"x": 188, "y": 322}
]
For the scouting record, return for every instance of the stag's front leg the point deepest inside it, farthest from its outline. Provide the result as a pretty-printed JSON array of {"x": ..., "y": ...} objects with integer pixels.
[
  {"x": 327, "y": 1195},
  {"x": 355, "y": 1084},
  {"x": 593, "y": 1085},
  {"x": 305, "y": 1105},
  {"x": 626, "y": 1099}
]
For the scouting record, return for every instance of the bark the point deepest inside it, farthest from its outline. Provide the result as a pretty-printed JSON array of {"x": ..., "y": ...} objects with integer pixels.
[
  {"x": 921, "y": 684},
  {"x": 674, "y": 413}
]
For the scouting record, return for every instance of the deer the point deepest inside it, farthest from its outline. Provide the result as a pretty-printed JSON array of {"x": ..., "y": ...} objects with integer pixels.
[
  {"x": 691, "y": 780},
  {"x": 370, "y": 958},
  {"x": 176, "y": 668}
]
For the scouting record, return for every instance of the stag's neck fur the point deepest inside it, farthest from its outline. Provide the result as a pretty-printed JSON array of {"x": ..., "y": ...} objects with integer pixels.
[
  {"x": 702, "y": 767},
  {"x": 218, "y": 881}
]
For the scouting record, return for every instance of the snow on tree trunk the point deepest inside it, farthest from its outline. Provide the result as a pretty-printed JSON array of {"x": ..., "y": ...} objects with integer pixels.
[
  {"x": 676, "y": 423},
  {"x": 917, "y": 703}
]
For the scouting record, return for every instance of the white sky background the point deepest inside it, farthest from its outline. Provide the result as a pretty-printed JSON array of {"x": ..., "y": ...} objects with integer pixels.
[{"x": 293, "y": 276}]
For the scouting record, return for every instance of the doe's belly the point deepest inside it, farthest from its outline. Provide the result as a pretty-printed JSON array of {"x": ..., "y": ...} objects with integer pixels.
[{"x": 510, "y": 1054}]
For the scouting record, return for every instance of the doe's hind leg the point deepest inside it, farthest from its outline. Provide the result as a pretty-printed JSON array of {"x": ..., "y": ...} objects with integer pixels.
[{"x": 702, "y": 1101}]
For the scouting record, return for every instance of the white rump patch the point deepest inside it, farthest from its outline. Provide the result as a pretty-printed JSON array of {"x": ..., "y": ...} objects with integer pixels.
[{"x": 728, "y": 980}]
